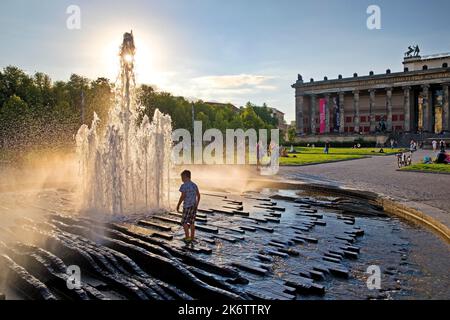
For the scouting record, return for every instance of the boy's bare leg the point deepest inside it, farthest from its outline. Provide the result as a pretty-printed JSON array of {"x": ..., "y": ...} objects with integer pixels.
[
  {"x": 186, "y": 230},
  {"x": 192, "y": 231}
]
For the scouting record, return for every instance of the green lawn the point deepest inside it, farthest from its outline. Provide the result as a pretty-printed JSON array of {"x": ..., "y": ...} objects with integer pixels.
[
  {"x": 316, "y": 155},
  {"x": 313, "y": 158},
  {"x": 349, "y": 151},
  {"x": 438, "y": 168}
]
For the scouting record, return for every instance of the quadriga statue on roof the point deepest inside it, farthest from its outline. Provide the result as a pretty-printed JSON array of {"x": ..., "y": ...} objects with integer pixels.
[{"x": 413, "y": 51}]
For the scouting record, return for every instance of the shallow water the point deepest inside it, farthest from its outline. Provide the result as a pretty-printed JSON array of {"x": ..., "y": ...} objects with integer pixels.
[{"x": 413, "y": 261}]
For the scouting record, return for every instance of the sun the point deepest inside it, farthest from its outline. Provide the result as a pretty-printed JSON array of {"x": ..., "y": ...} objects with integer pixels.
[
  {"x": 148, "y": 60},
  {"x": 128, "y": 58},
  {"x": 151, "y": 63}
]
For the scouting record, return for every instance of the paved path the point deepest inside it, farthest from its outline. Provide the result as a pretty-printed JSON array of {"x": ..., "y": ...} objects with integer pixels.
[{"x": 427, "y": 192}]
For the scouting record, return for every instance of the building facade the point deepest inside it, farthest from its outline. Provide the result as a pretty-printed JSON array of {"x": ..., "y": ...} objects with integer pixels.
[
  {"x": 281, "y": 122},
  {"x": 279, "y": 115},
  {"x": 415, "y": 100}
]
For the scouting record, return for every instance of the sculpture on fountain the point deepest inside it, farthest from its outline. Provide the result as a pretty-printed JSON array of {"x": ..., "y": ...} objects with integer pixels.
[{"x": 128, "y": 44}]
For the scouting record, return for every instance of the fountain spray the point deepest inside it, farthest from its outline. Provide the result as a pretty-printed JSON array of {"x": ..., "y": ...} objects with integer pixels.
[{"x": 126, "y": 169}]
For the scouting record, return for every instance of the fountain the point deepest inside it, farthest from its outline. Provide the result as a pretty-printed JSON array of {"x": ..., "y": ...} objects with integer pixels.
[{"x": 125, "y": 169}]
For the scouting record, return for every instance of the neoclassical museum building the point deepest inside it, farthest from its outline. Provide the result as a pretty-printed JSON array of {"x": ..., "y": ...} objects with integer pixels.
[{"x": 415, "y": 100}]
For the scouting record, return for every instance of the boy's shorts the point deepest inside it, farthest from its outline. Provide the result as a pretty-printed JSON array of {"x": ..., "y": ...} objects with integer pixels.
[{"x": 188, "y": 216}]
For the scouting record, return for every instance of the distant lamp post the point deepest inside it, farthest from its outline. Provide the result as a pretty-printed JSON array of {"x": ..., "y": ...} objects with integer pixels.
[
  {"x": 192, "y": 101},
  {"x": 82, "y": 106},
  {"x": 193, "y": 114}
]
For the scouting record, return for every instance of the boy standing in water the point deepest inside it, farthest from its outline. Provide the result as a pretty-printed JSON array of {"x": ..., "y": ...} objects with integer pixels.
[{"x": 190, "y": 196}]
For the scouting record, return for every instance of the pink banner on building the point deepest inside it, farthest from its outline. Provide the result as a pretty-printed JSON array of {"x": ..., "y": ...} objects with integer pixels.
[{"x": 322, "y": 105}]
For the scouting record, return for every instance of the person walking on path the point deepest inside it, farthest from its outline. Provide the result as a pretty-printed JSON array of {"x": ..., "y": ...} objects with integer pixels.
[
  {"x": 392, "y": 143},
  {"x": 326, "y": 150},
  {"x": 412, "y": 146},
  {"x": 442, "y": 145},
  {"x": 434, "y": 144}
]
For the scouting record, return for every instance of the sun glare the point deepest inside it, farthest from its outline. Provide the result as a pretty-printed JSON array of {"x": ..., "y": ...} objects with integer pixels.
[
  {"x": 149, "y": 60},
  {"x": 146, "y": 60},
  {"x": 128, "y": 58}
]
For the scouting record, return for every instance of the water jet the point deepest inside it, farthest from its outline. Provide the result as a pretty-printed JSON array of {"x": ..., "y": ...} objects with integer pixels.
[{"x": 125, "y": 169}]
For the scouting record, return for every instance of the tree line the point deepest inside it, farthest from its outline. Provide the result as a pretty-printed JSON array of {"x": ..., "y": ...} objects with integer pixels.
[{"x": 37, "y": 113}]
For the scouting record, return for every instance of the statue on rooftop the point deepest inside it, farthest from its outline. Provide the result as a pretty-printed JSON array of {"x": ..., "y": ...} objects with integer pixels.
[
  {"x": 408, "y": 54},
  {"x": 413, "y": 51}
]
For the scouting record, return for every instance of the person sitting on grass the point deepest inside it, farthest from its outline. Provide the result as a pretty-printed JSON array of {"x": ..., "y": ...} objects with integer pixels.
[
  {"x": 442, "y": 158},
  {"x": 427, "y": 160},
  {"x": 190, "y": 197}
]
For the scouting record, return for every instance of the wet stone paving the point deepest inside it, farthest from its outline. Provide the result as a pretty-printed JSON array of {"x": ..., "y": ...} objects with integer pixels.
[{"x": 270, "y": 244}]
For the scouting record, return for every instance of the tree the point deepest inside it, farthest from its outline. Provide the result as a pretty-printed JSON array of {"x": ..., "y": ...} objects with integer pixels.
[
  {"x": 201, "y": 116},
  {"x": 99, "y": 99},
  {"x": 292, "y": 133},
  {"x": 264, "y": 113},
  {"x": 14, "y": 81},
  {"x": 78, "y": 87},
  {"x": 146, "y": 98},
  {"x": 250, "y": 119},
  {"x": 14, "y": 130},
  {"x": 36, "y": 112},
  {"x": 41, "y": 91}
]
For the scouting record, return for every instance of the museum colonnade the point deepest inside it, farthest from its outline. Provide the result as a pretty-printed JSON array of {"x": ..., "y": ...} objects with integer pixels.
[{"x": 424, "y": 108}]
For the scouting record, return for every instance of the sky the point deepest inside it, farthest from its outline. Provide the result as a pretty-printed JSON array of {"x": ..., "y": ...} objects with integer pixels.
[{"x": 226, "y": 51}]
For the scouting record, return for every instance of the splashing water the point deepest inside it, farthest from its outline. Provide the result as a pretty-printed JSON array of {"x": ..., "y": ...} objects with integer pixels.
[{"x": 125, "y": 169}]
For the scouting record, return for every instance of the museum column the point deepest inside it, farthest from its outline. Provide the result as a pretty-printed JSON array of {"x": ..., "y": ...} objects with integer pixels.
[
  {"x": 389, "y": 109},
  {"x": 426, "y": 109},
  {"x": 445, "y": 109},
  {"x": 341, "y": 113},
  {"x": 313, "y": 113},
  {"x": 407, "y": 108},
  {"x": 372, "y": 110},
  {"x": 299, "y": 122},
  {"x": 327, "y": 113},
  {"x": 356, "y": 110}
]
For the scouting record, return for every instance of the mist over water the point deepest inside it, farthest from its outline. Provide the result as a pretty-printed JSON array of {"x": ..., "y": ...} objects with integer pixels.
[{"x": 125, "y": 168}]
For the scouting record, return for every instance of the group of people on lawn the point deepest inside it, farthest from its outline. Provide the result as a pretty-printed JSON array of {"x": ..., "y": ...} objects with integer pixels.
[{"x": 439, "y": 150}]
